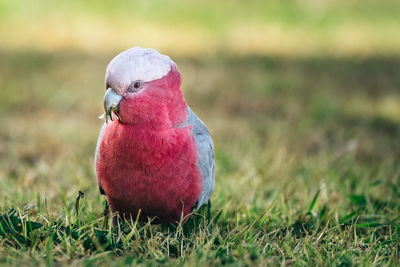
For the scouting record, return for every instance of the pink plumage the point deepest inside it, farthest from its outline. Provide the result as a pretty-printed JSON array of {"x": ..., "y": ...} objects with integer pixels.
[{"x": 148, "y": 160}]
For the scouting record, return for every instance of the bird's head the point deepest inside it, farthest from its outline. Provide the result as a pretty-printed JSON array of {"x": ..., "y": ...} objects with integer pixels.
[{"x": 143, "y": 86}]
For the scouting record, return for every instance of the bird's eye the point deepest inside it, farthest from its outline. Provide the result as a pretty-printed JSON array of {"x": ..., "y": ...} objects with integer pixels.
[{"x": 135, "y": 86}]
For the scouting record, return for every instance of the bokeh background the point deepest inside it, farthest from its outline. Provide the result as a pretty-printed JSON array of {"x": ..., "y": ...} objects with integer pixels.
[{"x": 299, "y": 96}]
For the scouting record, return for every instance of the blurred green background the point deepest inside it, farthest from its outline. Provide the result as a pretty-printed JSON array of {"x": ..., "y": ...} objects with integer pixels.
[{"x": 299, "y": 96}]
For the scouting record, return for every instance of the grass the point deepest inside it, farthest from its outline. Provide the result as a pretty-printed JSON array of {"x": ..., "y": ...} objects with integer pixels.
[
  {"x": 306, "y": 151},
  {"x": 304, "y": 113}
]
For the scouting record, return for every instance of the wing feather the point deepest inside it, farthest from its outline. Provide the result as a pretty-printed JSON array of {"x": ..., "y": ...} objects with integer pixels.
[
  {"x": 96, "y": 154},
  {"x": 205, "y": 153}
]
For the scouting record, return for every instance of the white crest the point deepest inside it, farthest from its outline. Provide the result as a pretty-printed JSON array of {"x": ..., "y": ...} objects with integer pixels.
[{"x": 137, "y": 63}]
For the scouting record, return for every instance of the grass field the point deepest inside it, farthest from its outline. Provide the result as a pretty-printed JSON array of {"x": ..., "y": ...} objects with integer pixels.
[{"x": 307, "y": 136}]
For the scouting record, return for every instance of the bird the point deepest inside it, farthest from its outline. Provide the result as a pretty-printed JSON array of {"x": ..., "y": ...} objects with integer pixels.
[{"x": 154, "y": 156}]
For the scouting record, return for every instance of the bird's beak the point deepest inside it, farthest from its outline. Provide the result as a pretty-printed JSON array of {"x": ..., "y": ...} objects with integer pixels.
[{"x": 111, "y": 103}]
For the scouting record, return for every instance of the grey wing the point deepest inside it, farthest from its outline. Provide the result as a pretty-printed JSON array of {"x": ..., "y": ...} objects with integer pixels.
[
  {"x": 205, "y": 151},
  {"x": 96, "y": 154}
]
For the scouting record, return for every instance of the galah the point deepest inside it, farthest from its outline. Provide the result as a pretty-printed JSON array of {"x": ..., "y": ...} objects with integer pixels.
[{"x": 153, "y": 153}]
